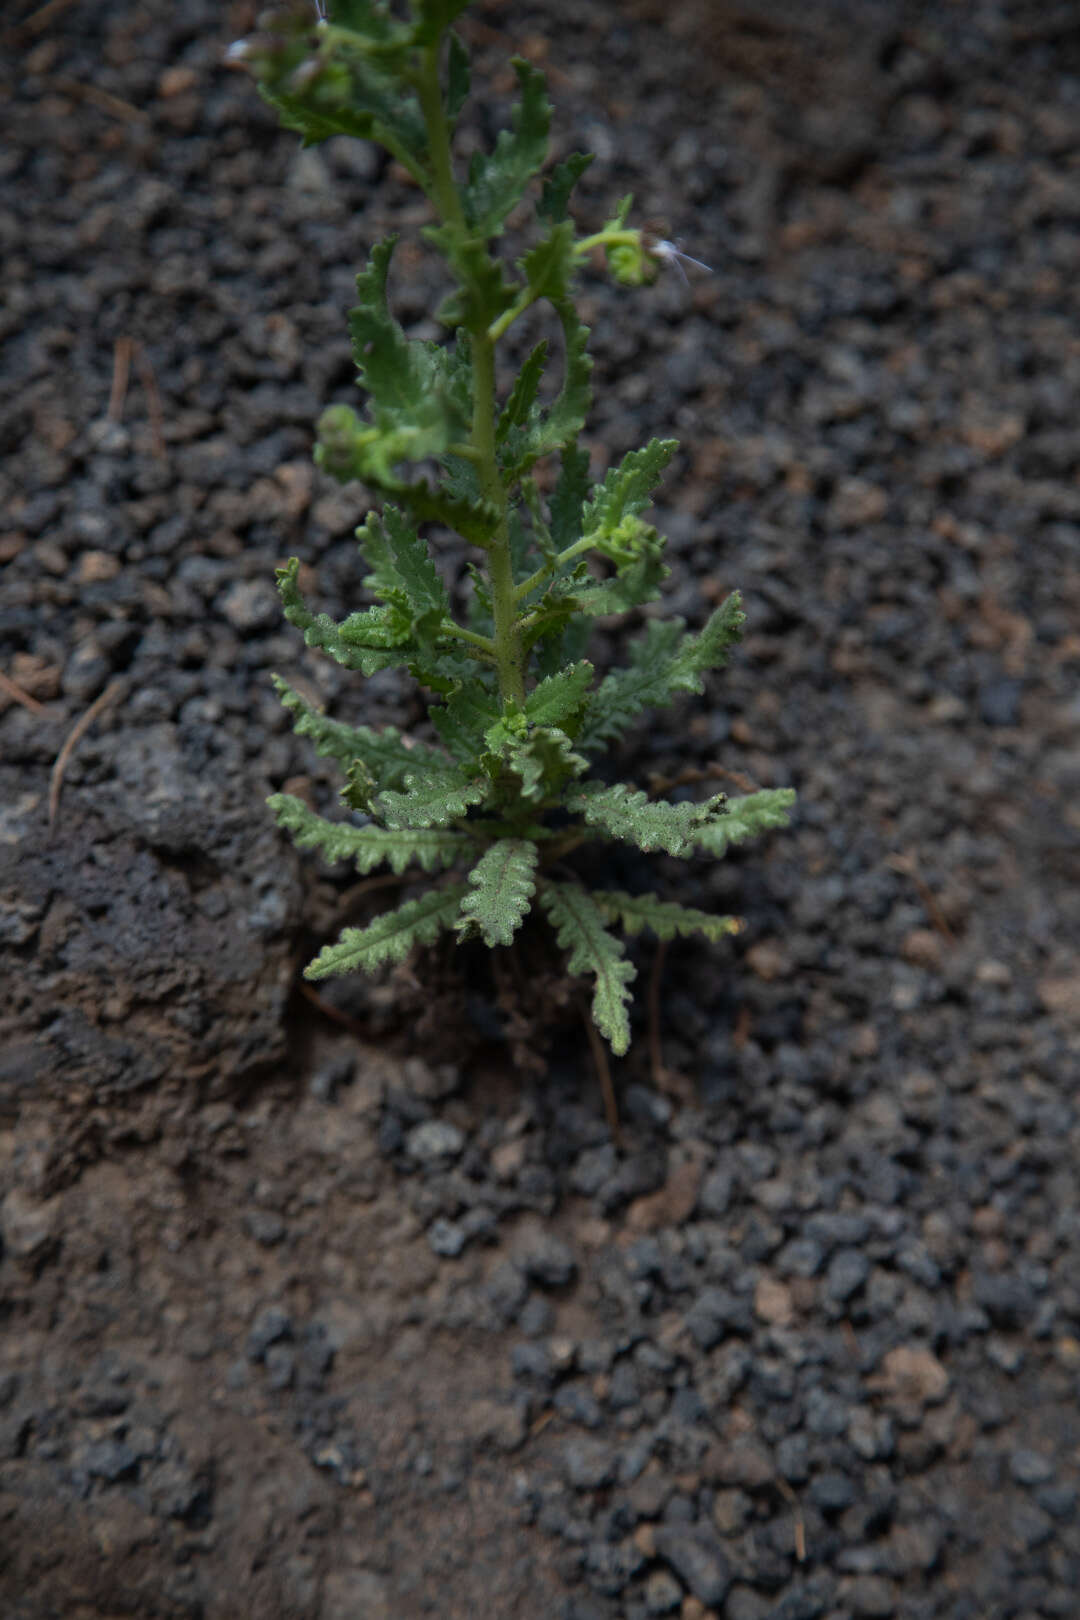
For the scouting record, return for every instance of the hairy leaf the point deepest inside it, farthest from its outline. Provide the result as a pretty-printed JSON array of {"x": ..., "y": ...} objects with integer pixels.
[
  {"x": 368, "y": 847},
  {"x": 626, "y": 491},
  {"x": 431, "y": 799},
  {"x": 498, "y": 179},
  {"x": 746, "y": 817},
  {"x": 543, "y": 761},
  {"x": 568, "y": 501},
  {"x": 629, "y": 815},
  {"x": 384, "y": 752},
  {"x": 402, "y": 571},
  {"x": 666, "y": 918},
  {"x": 662, "y": 663},
  {"x": 580, "y": 930},
  {"x": 559, "y": 700},
  {"x": 390, "y": 937},
  {"x": 367, "y": 642},
  {"x": 462, "y": 721},
  {"x": 502, "y": 882},
  {"x": 560, "y": 425}
]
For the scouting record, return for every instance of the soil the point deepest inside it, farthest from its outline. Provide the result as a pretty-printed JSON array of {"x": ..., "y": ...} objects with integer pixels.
[{"x": 327, "y": 1312}]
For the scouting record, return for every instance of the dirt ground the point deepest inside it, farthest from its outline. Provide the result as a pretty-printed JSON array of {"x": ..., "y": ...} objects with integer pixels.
[{"x": 324, "y": 1311}]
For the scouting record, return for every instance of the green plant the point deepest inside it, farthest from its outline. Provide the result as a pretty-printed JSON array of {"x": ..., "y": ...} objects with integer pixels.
[{"x": 508, "y": 797}]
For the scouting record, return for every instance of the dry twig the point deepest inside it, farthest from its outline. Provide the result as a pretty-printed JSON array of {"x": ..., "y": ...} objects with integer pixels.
[
  {"x": 603, "y": 1074},
  {"x": 72, "y": 740},
  {"x": 17, "y": 694}
]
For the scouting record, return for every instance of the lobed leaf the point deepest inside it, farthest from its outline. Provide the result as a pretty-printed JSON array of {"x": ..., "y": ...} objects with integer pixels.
[
  {"x": 498, "y": 179},
  {"x": 503, "y": 881},
  {"x": 661, "y": 663},
  {"x": 629, "y": 815},
  {"x": 543, "y": 761},
  {"x": 431, "y": 799},
  {"x": 464, "y": 718},
  {"x": 367, "y": 642},
  {"x": 580, "y": 929},
  {"x": 367, "y": 847},
  {"x": 385, "y": 754},
  {"x": 665, "y": 917},
  {"x": 626, "y": 490},
  {"x": 746, "y": 817},
  {"x": 390, "y": 937},
  {"x": 402, "y": 569},
  {"x": 523, "y": 394}
]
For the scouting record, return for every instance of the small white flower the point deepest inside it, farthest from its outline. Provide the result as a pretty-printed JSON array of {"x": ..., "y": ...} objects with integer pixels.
[{"x": 669, "y": 253}]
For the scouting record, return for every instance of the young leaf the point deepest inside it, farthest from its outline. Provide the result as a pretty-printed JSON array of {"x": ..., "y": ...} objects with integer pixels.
[
  {"x": 498, "y": 179},
  {"x": 579, "y": 929},
  {"x": 464, "y": 718},
  {"x": 367, "y": 642},
  {"x": 523, "y": 394},
  {"x": 560, "y": 425},
  {"x": 568, "y": 501},
  {"x": 558, "y": 185},
  {"x": 629, "y": 815},
  {"x": 390, "y": 937},
  {"x": 559, "y": 700},
  {"x": 662, "y": 663},
  {"x": 549, "y": 266},
  {"x": 502, "y": 882},
  {"x": 543, "y": 761},
  {"x": 745, "y": 818},
  {"x": 384, "y": 753},
  {"x": 627, "y": 490},
  {"x": 401, "y": 567},
  {"x": 666, "y": 919},
  {"x": 431, "y": 799},
  {"x": 368, "y": 847}
]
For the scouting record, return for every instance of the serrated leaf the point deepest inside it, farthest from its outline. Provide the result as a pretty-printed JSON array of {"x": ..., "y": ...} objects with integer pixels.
[
  {"x": 568, "y": 501},
  {"x": 523, "y": 394},
  {"x": 629, "y": 815},
  {"x": 390, "y": 937},
  {"x": 555, "y": 196},
  {"x": 384, "y": 753},
  {"x": 633, "y": 912},
  {"x": 560, "y": 425},
  {"x": 464, "y": 718},
  {"x": 580, "y": 930},
  {"x": 350, "y": 449},
  {"x": 626, "y": 491},
  {"x": 368, "y": 847},
  {"x": 430, "y": 799},
  {"x": 635, "y": 584},
  {"x": 543, "y": 761},
  {"x": 483, "y": 291},
  {"x": 549, "y": 266},
  {"x": 348, "y": 83},
  {"x": 559, "y": 700},
  {"x": 498, "y": 179},
  {"x": 661, "y": 664},
  {"x": 502, "y": 883},
  {"x": 401, "y": 566},
  {"x": 375, "y": 644},
  {"x": 747, "y": 817}
]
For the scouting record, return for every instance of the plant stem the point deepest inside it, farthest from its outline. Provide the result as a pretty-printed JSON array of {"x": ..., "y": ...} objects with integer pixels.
[{"x": 509, "y": 658}]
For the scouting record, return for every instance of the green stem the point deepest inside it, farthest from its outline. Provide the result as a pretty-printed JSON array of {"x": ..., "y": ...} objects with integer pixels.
[
  {"x": 509, "y": 658},
  {"x": 483, "y": 644},
  {"x": 506, "y": 645},
  {"x": 444, "y": 191},
  {"x": 547, "y": 568}
]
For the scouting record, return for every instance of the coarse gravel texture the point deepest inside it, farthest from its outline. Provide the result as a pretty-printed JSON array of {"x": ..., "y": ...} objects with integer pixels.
[{"x": 308, "y": 1319}]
